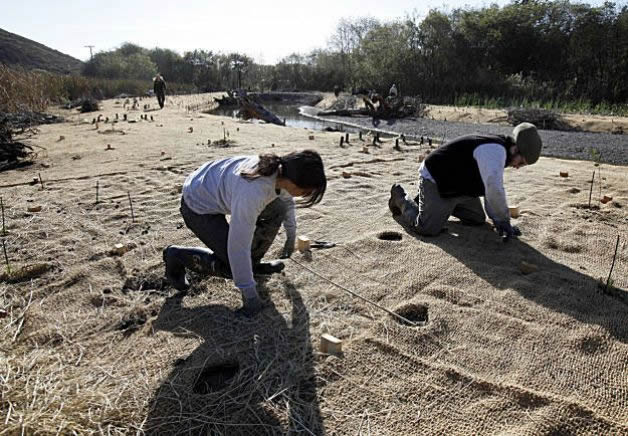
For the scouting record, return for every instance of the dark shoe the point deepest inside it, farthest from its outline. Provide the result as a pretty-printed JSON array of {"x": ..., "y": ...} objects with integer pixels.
[
  {"x": 199, "y": 260},
  {"x": 267, "y": 268},
  {"x": 397, "y": 195},
  {"x": 175, "y": 269},
  {"x": 250, "y": 306}
]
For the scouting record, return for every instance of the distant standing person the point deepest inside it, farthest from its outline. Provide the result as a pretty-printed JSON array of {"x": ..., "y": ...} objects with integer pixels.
[
  {"x": 257, "y": 192},
  {"x": 455, "y": 175},
  {"x": 159, "y": 86},
  {"x": 393, "y": 91}
]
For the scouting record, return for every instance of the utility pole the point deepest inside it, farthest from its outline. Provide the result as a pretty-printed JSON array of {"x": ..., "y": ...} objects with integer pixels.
[{"x": 91, "y": 54}]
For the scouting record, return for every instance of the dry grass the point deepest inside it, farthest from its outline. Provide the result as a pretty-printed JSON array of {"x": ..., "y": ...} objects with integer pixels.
[{"x": 23, "y": 90}]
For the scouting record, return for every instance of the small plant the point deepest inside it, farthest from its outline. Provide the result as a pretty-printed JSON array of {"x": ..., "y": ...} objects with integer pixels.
[
  {"x": 596, "y": 156},
  {"x": 4, "y": 229},
  {"x": 6, "y": 258}
]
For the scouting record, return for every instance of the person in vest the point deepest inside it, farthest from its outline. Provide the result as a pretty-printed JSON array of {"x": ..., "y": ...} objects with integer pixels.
[
  {"x": 159, "y": 86},
  {"x": 455, "y": 175},
  {"x": 257, "y": 192}
]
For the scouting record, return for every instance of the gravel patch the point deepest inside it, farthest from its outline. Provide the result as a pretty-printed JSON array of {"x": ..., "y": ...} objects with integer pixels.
[{"x": 568, "y": 145}]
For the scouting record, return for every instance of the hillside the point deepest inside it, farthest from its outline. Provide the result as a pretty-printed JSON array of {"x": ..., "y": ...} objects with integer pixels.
[{"x": 17, "y": 50}]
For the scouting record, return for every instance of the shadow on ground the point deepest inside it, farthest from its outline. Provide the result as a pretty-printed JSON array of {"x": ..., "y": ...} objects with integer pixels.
[
  {"x": 248, "y": 377},
  {"x": 554, "y": 285}
]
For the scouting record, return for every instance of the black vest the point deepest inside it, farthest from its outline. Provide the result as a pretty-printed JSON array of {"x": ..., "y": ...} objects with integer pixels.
[{"x": 455, "y": 170}]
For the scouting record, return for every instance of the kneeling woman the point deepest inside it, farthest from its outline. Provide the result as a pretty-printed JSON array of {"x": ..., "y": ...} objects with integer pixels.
[{"x": 257, "y": 191}]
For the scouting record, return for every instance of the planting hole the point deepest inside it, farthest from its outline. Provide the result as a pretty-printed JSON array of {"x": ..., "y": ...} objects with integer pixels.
[
  {"x": 390, "y": 236},
  {"x": 131, "y": 324},
  {"x": 144, "y": 281},
  {"x": 415, "y": 313},
  {"x": 215, "y": 378}
]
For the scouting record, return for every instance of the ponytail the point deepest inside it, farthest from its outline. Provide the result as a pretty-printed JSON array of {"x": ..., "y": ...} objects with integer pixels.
[{"x": 268, "y": 164}]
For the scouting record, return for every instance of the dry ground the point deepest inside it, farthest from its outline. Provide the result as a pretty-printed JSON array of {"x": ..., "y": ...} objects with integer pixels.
[{"x": 96, "y": 343}]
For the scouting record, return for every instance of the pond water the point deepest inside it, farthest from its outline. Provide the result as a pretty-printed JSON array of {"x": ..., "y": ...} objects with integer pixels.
[{"x": 291, "y": 114}]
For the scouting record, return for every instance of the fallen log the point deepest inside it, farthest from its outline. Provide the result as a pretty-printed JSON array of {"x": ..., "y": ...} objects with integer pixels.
[
  {"x": 250, "y": 109},
  {"x": 383, "y": 108},
  {"x": 345, "y": 112}
]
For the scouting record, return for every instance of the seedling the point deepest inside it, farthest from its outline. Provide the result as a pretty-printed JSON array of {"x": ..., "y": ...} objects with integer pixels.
[
  {"x": 4, "y": 230},
  {"x": 591, "y": 189},
  {"x": 609, "y": 282},
  {"x": 597, "y": 158},
  {"x": 131, "y": 205},
  {"x": 6, "y": 258}
]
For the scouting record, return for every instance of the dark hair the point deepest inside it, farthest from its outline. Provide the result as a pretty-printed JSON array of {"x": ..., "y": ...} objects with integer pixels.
[{"x": 303, "y": 168}]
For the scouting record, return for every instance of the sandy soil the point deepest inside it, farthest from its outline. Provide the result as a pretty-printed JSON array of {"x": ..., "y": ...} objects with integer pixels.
[
  {"x": 586, "y": 123},
  {"x": 94, "y": 342}
]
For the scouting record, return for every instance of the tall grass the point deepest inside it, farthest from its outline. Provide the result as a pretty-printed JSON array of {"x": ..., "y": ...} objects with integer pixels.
[
  {"x": 581, "y": 106},
  {"x": 22, "y": 90}
]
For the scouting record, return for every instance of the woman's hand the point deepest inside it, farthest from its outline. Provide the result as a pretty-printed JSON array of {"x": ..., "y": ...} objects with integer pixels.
[{"x": 288, "y": 248}]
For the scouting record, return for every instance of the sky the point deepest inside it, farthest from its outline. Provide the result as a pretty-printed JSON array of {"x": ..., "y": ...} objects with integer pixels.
[{"x": 267, "y": 31}]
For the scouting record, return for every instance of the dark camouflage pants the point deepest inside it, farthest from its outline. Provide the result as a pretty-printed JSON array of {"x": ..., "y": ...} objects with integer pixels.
[{"x": 213, "y": 230}]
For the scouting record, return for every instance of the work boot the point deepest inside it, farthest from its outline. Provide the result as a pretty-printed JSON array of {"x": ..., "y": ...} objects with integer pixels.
[
  {"x": 403, "y": 207},
  {"x": 200, "y": 260},
  {"x": 251, "y": 306},
  {"x": 397, "y": 195},
  {"x": 267, "y": 268},
  {"x": 175, "y": 269}
]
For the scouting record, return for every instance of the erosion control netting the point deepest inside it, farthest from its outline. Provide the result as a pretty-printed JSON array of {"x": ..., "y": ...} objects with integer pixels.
[
  {"x": 97, "y": 342},
  {"x": 495, "y": 350}
]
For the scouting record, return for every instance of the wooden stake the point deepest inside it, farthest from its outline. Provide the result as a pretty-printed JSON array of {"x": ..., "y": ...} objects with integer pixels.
[
  {"x": 330, "y": 344},
  {"x": 360, "y": 135},
  {"x": 591, "y": 190},
  {"x": 96, "y": 191},
  {"x": 303, "y": 244},
  {"x": 347, "y": 138},
  {"x": 131, "y": 204},
  {"x": 4, "y": 230},
  {"x": 608, "y": 280},
  {"x": 41, "y": 181},
  {"x": 342, "y": 140}
]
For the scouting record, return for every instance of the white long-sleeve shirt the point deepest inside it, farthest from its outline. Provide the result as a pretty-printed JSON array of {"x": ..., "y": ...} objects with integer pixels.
[
  {"x": 490, "y": 158},
  {"x": 218, "y": 188}
]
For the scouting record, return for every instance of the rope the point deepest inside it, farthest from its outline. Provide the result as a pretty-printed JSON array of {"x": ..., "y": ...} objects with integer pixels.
[{"x": 390, "y": 312}]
